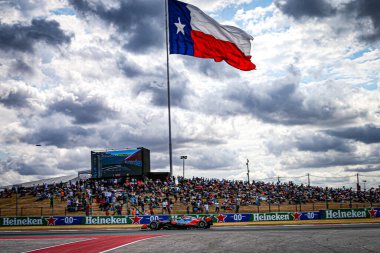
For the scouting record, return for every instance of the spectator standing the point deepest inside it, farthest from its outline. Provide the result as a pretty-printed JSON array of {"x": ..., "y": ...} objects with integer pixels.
[
  {"x": 257, "y": 202},
  {"x": 216, "y": 207},
  {"x": 169, "y": 207},
  {"x": 206, "y": 207},
  {"x": 237, "y": 205},
  {"x": 164, "y": 206},
  {"x": 88, "y": 210},
  {"x": 62, "y": 195},
  {"x": 51, "y": 201}
]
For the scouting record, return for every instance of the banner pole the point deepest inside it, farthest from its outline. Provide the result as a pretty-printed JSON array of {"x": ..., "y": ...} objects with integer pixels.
[{"x": 168, "y": 85}]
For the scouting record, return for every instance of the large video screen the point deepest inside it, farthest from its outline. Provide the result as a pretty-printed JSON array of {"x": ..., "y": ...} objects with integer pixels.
[{"x": 119, "y": 163}]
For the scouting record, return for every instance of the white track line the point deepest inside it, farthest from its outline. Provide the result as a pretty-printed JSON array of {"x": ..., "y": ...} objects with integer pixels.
[
  {"x": 59, "y": 245},
  {"x": 130, "y": 243}
]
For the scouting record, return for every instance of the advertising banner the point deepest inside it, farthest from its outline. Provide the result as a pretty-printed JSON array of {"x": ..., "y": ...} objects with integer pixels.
[
  {"x": 307, "y": 215},
  {"x": 232, "y": 217},
  {"x": 286, "y": 216},
  {"x": 64, "y": 220},
  {"x": 373, "y": 212},
  {"x": 112, "y": 220},
  {"x": 272, "y": 216},
  {"x": 23, "y": 221},
  {"x": 229, "y": 217},
  {"x": 351, "y": 213}
]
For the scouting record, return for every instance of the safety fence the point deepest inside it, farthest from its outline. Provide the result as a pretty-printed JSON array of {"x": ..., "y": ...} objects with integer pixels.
[
  {"x": 373, "y": 212},
  {"x": 262, "y": 208}
]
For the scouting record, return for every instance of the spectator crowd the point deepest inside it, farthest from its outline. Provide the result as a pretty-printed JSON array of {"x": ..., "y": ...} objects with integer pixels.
[{"x": 195, "y": 195}]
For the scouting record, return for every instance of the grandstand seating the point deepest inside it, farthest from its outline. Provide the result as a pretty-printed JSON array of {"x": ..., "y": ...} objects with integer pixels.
[{"x": 36, "y": 200}]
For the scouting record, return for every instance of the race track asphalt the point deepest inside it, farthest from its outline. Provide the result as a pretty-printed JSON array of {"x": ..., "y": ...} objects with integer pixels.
[{"x": 288, "y": 238}]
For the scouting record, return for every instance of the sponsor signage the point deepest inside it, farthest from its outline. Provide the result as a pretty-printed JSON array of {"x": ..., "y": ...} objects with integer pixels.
[
  {"x": 307, "y": 215},
  {"x": 286, "y": 216},
  {"x": 22, "y": 221},
  {"x": 228, "y": 217},
  {"x": 64, "y": 220},
  {"x": 115, "y": 220},
  {"x": 373, "y": 212},
  {"x": 236, "y": 217},
  {"x": 271, "y": 216},
  {"x": 106, "y": 220},
  {"x": 351, "y": 213}
]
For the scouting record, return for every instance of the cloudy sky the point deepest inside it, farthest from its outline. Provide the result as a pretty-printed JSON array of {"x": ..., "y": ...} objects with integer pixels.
[{"x": 81, "y": 75}]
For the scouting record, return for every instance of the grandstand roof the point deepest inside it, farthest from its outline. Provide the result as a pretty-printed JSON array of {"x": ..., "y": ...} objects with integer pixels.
[{"x": 63, "y": 179}]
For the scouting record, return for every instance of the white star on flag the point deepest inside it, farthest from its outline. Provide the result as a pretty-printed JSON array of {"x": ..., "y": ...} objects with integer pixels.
[{"x": 180, "y": 26}]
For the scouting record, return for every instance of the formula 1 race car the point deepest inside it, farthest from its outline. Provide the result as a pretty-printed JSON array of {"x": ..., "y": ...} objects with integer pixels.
[{"x": 184, "y": 222}]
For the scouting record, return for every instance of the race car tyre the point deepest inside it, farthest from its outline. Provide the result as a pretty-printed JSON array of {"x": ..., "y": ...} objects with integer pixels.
[
  {"x": 154, "y": 225},
  {"x": 202, "y": 224}
]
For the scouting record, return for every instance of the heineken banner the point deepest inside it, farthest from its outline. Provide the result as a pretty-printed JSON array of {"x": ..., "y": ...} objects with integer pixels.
[
  {"x": 112, "y": 220},
  {"x": 217, "y": 218},
  {"x": 146, "y": 219},
  {"x": 286, "y": 216},
  {"x": 351, "y": 213},
  {"x": 23, "y": 221},
  {"x": 79, "y": 220}
]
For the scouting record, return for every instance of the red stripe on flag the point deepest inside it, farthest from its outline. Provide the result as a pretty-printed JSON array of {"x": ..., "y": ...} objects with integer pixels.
[{"x": 207, "y": 46}]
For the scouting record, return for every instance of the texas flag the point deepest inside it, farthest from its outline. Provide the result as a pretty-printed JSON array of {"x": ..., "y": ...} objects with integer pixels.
[{"x": 192, "y": 32}]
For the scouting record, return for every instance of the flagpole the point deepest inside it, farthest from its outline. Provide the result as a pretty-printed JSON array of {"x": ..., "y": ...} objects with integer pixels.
[{"x": 168, "y": 84}]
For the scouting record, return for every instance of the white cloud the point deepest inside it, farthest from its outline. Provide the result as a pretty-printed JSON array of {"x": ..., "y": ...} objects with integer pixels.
[{"x": 305, "y": 70}]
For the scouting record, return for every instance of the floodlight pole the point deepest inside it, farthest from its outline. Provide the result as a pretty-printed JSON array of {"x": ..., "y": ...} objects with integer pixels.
[
  {"x": 248, "y": 170},
  {"x": 183, "y": 157},
  {"x": 16, "y": 188},
  {"x": 168, "y": 85}
]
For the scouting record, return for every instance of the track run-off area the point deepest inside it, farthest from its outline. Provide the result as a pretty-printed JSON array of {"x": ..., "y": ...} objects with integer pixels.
[{"x": 357, "y": 237}]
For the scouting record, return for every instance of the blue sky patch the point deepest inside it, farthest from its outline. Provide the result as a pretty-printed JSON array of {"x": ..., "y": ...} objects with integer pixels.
[
  {"x": 229, "y": 12},
  {"x": 257, "y": 3},
  {"x": 64, "y": 11},
  {"x": 369, "y": 86},
  {"x": 358, "y": 54}
]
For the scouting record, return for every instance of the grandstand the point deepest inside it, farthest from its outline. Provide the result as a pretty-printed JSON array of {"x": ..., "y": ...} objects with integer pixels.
[{"x": 80, "y": 195}]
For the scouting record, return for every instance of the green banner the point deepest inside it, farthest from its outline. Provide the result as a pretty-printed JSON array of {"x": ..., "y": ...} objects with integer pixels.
[
  {"x": 107, "y": 220},
  {"x": 23, "y": 221},
  {"x": 346, "y": 213},
  {"x": 272, "y": 216}
]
